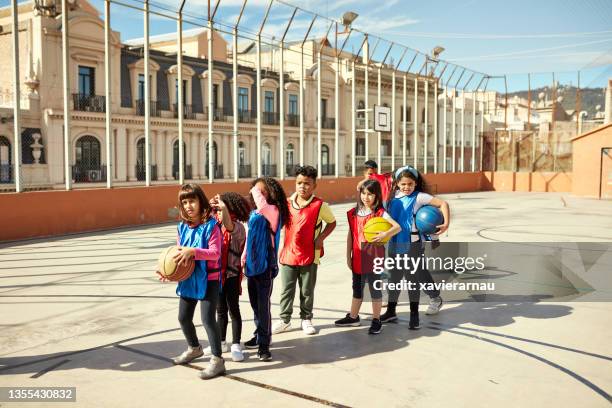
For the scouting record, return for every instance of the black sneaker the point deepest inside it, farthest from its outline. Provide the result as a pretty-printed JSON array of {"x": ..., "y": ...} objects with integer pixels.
[
  {"x": 348, "y": 321},
  {"x": 388, "y": 317},
  {"x": 414, "y": 321},
  {"x": 375, "y": 327},
  {"x": 264, "y": 353},
  {"x": 251, "y": 344}
]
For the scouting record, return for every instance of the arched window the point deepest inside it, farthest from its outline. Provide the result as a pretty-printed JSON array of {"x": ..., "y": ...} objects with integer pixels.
[
  {"x": 5, "y": 160},
  {"x": 326, "y": 168},
  {"x": 241, "y": 154},
  {"x": 87, "y": 167},
  {"x": 361, "y": 105},
  {"x": 140, "y": 159},
  {"x": 266, "y": 160},
  {"x": 290, "y": 154}
]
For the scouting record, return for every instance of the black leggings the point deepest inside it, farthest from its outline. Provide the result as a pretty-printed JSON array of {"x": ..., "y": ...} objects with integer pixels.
[
  {"x": 228, "y": 300},
  {"x": 208, "y": 305}
]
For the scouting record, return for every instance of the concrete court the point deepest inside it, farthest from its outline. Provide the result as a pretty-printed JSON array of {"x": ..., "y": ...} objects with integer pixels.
[{"x": 86, "y": 311}]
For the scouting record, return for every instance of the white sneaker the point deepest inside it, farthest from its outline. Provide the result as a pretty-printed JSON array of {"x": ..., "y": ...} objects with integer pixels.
[
  {"x": 188, "y": 355},
  {"x": 237, "y": 353},
  {"x": 435, "y": 304},
  {"x": 307, "y": 327},
  {"x": 280, "y": 327},
  {"x": 215, "y": 367},
  {"x": 224, "y": 349}
]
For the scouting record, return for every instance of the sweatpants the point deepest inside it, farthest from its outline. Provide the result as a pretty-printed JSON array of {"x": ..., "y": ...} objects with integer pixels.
[
  {"x": 260, "y": 290},
  {"x": 208, "y": 306},
  {"x": 306, "y": 277},
  {"x": 228, "y": 301},
  {"x": 421, "y": 275}
]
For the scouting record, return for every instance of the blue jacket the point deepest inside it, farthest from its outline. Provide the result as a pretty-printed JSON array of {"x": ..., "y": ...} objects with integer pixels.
[{"x": 260, "y": 255}]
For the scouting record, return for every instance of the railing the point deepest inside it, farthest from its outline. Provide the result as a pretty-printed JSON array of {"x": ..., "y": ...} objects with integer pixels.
[
  {"x": 6, "y": 173},
  {"x": 246, "y": 116},
  {"x": 268, "y": 170},
  {"x": 328, "y": 169},
  {"x": 270, "y": 118},
  {"x": 328, "y": 123},
  {"x": 244, "y": 171},
  {"x": 153, "y": 108},
  {"x": 293, "y": 120},
  {"x": 360, "y": 123},
  {"x": 219, "y": 115},
  {"x": 141, "y": 172},
  {"x": 89, "y": 103},
  {"x": 175, "y": 171},
  {"x": 82, "y": 173},
  {"x": 217, "y": 169},
  {"x": 290, "y": 169},
  {"x": 187, "y": 111}
]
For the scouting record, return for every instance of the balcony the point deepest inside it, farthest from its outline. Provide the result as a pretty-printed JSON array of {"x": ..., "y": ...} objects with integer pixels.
[
  {"x": 268, "y": 170},
  {"x": 217, "y": 169},
  {"x": 6, "y": 173},
  {"x": 140, "y": 108},
  {"x": 219, "y": 115},
  {"x": 293, "y": 120},
  {"x": 141, "y": 172},
  {"x": 244, "y": 171},
  {"x": 360, "y": 123},
  {"x": 328, "y": 123},
  {"x": 246, "y": 116},
  {"x": 89, "y": 103},
  {"x": 175, "y": 172},
  {"x": 328, "y": 169},
  {"x": 187, "y": 111},
  {"x": 84, "y": 173},
  {"x": 270, "y": 118}
]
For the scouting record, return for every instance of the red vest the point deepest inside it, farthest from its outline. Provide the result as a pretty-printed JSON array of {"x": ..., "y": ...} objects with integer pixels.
[
  {"x": 385, "y": 181},
  {"x": 298, "y": 248},
  {"x": 363, "y": 251}
]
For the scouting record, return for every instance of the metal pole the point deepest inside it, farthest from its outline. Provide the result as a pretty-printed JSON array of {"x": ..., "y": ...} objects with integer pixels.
[
  {"x": 17, "y": 95},
  {"x": 258, "y": 103},
  {"x": 302, "y": 106},
  {"x": 179, "y": 103},
  {"x": 416, "y": 123},
  {"x": 473, "y": 161},
  {"x": 66, "y": 75},
  {"x": 353, "y": 132},
  {"x": 281, "y": 112},
  {"x": 444, "y": 128},
  {"x": 404, "y": 114},
  {"x": 462, "y": 167},
  {"x": 393, "y": 121},
  {"x": 235, "y": 98},
  {"x": 426, "y": 128},
  {"x": 482, "y": 104},
  {"x": 337, "y": 109},
  {"x": 319, "y": 112},
  {"x": 366, "y": 54},
  {"x": 107, "y": 91},
  {"x": 211, "y": 116},
  {"x": 436, "y": 127},
  {"x": 454, "y": 134},
  {"x": 147, "y": 112},
  {"x": 379, "y": 134}
]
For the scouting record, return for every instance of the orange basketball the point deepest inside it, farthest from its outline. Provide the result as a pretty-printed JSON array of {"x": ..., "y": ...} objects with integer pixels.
[{"x": 167, "y": 266}]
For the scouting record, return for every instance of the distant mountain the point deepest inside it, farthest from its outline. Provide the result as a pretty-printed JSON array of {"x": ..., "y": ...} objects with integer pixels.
[{"x": 589, "y": 97}]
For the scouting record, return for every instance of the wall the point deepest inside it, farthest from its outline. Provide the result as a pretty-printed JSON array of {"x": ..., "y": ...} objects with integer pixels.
[
  {"x": 587, "y": 160},
  {"x": 527, "y": 182}
]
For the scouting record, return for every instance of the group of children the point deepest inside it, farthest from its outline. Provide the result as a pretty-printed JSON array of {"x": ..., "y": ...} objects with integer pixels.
[{"x": 230, "y": 237}]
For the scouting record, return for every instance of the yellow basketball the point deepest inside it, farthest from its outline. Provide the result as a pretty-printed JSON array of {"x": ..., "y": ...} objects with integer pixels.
[
  {"x": 374, "y": 226},
  {"x": 168, "y": 267}
]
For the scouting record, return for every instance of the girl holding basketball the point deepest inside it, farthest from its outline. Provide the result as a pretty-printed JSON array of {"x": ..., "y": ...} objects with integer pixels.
[
  {"x": 232, "y": 210},
  {"x": 199, "y": 238},
  {"x": 360, "y": 254},
  {"x": 406, "y": 197},
  {"x": 260, "y": 256}
]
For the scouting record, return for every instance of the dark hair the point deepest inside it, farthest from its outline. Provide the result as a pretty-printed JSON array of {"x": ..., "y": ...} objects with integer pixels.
[
  {"x": 420, "y": 185},
  {"x": 373, "y": 186},
  {"x": 276, "y": 196},
  {"x": 306, "y": 171},
  {"x": 193, "y": 191},
  {"x": 370, "y": 164},
  {"x": 237, "y": 205}
]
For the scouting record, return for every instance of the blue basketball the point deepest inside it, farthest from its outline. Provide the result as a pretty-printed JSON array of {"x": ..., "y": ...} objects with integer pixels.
[{"x": 428, "y": 218}]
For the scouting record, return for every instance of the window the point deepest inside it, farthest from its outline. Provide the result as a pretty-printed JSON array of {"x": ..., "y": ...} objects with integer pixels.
[
  {"x": 323, "y": 108},
  {"x": 88, "y": 153},
  {"x": 241, "y": 153},
  {"x": 184, "y": 91},
  {"x": 293, "y": 104},
  {"x": 141, "y": 86},
  {"x": 5, "y": 160},
  {"x": 266, "y": 153},
  {"x": 87, "y": 81},
  {"x": 215, "y": 96},
  {"x": 269, "y": 101},
  {"x": 361, "y": 105},
  {"x": 289, "y": 154},
  {"x": 243, "y": 99}
]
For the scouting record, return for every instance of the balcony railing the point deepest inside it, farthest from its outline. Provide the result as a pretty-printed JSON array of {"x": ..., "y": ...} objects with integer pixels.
[
  {"x": 6, "y": 173},
  {"x": 187, "y": 111},
  {"x": 246, "y": 116},
  {"x": 244, "y": 171},
  {"x": 328, "y": 169},
  {"x": 293, "y": 120},
  {"x": 175, "y": 171},
  {"x": 141, "y": 172},
  {"x": 153, "y": 108},
  {"x": 219, "y": 115},
  {"x": 268, "y": 170},
  {"x": 328, "y": 123},
  {"x": 218, "y": 171},
  {"x": 89, "y": 103},
  {"x": 270, "y": 118},
  {"x": 360, "y": 123},
  {"x": 82, "y": 173}
]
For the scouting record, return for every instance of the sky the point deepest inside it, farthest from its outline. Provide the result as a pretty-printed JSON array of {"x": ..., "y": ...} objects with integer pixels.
[{"x": 495, "y": 37}]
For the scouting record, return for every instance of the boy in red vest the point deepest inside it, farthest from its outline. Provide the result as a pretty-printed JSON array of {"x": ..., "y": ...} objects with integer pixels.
[
  {"x": 303, "y": 245},
  {"x": 370, "y": 172}
]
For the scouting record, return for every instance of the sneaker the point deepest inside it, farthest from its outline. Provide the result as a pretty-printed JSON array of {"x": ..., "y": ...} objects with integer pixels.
[
  {"x": 388, "y": 317},
  {"x": 251, "y": 344},
  {"x": 224, "y": 349},
  {"x": 188, "y": 355},
  {"x": 237, "y": 353},
  {"x": 307, "y": 327},
  {"x": 434, "y": 306},
  {"x": 348, "y": 321},
  {"x": 414, "y": 321},
  {"x": 375, "y": 327},
  {"x": 215, "y": 367},
  {"x": 264, "y": 353},
  {"x": 280, "y": 327}
]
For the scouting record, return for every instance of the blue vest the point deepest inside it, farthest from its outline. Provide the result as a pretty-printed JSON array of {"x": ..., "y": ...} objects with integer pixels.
[
  {"x": 402, "y": 211},
  {"x": 260, "y": 256},
  {"x": 194, "y": 287}
]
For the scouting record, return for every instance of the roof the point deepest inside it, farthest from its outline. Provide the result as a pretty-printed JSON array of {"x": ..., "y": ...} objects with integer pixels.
[
  {"x": 166, "y": 37},
  {"x": 590, "y": 132}
]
